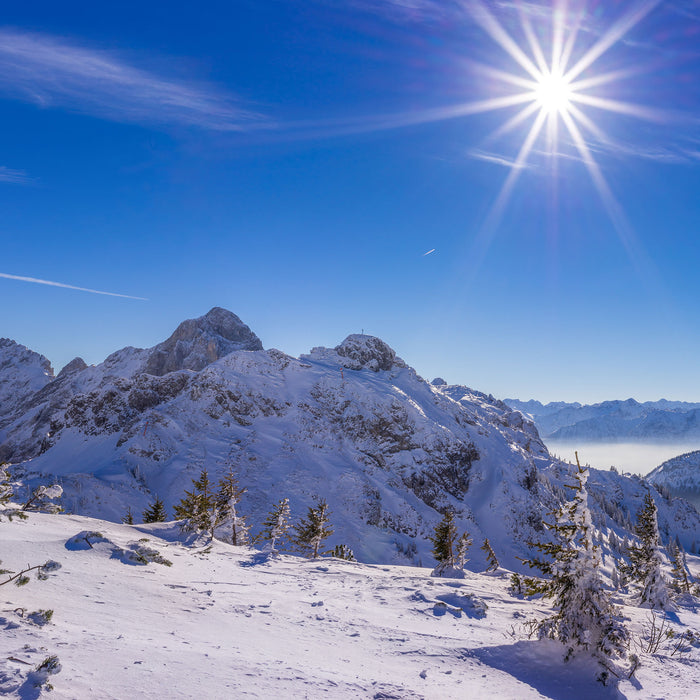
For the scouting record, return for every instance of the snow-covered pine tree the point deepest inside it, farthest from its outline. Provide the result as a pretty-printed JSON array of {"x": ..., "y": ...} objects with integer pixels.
[
  {"x": 312, "y": 530},
  {"x": 492, "y": 560},
  {"x": 444, "y": 541},
  {"x": 42, "y": 497},
  {"x": 462, "y": 547},
  {"x": 5, "y": 486},
  {"x": 155, "y": 513},
  {"x": 227, "y": 498},
  {"x": 680, "y": 580},
  {"x": 615, "y": 577},
  {"x": 197, "y": 509},
  {"x": 646, "y": 559},
  {"x": 584, "y": 617},
  {"x": 276, "y": 524},
  {"x": 6, "y": 493}
]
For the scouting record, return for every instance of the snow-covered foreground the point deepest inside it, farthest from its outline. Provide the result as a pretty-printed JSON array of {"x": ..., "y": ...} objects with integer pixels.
[{"x": 233, "y": 622}]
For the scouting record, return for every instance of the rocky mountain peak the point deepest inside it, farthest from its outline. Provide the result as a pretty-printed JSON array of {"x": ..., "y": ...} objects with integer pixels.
[
  {"x": 22, "y": 373},
  {"x": 198, "y": 342},
  {"x": 367, "y": 352},
  {"x": 77, "y": 364}
]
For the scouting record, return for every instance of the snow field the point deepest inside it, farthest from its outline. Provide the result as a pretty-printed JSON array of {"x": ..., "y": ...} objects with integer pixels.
[{"x": 233, "y": 622}]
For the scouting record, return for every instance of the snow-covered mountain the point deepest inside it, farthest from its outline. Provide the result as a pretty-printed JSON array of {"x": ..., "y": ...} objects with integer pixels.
[
  {"x": 22, "y": 373},
  {"x": 352, "y": 424},
  {"x": 680, "y": 476},
  {"x": 658, "y": 421}
]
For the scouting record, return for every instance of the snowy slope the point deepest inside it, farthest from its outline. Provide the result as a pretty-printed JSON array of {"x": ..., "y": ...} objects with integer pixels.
[
  {"x": 23, "y": 372},
  {"x": 230, "y": 622},
  {"x": 352, "y": 424},
  {"x": 681, "y": 476}
]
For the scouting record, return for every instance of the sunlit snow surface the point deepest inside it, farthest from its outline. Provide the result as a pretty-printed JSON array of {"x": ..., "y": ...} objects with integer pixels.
[{"x": 234, "y": 623}]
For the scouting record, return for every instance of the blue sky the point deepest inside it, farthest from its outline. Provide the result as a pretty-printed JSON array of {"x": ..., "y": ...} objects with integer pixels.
[{"x": 291, "y": 162}]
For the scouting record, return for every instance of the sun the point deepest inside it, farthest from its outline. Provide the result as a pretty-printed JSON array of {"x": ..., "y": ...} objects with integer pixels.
[
  {"x": 553, "y": 85},
  {"x": 553, "y": 93}
]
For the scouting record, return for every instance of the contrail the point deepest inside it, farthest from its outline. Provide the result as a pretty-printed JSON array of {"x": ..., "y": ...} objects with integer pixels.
[
  {"x": 67, "y": 286},
  {"x": 429, "y": 252}
]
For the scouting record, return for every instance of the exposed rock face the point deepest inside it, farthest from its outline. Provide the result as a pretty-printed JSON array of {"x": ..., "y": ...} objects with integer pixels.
[
  {"x": 367, "y": 352},
  {"x": 75, "y": 365},
  {"x": 198, "y": 342},
  {"x": 22, "y": 373}
]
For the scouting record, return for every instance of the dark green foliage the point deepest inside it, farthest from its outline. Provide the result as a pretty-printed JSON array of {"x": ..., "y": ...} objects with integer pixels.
[
  {"x": 444, "y": 541},
  {"x": 155, "y": 513},
  {"x": 490, "y": 556},
  {"x": 197, "y": 509},
  {"x": 341, "y": 551},
  {"x": 277, "y": 523},
  {"x": 5, "y": 485},
  {"x": 128, "y": 518},
  {"x": 517, "y": 584},
  {"x": 311, "y": 531},
  {"x": 20, "y": 578}
]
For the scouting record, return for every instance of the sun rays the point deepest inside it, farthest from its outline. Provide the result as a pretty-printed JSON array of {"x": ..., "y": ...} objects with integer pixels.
[{"x": 555, "y": 86}]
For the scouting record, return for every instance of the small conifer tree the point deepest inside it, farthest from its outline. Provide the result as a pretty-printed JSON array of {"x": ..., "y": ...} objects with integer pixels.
[
  {"x": 128, "y": 518},
  {"x": 462, "y": 547},
  {"x": 444, "y": 541},
  {"x": 5, "y": 486},
  {"x": 6, "y": 494},
  {"x": 155, "y": 513},
  {"x": 492, "y": 560},
  {"x": 584, "y": 617},
  {"x": 311, "y": 531},
  {"x": 342, "y": 551},
  {"x": 646, "y": 559},
  {"x": 276, "y": 524},
  {"x": 227, "y": 499},
  {"x": 679, "y": 571},
  {"x": 197, "y": 509}
]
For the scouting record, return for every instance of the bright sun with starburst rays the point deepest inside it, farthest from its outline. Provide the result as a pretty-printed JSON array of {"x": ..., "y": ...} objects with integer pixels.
[
  {"x": 554, "y": 89},
  {"x": 553, "y": 92}
]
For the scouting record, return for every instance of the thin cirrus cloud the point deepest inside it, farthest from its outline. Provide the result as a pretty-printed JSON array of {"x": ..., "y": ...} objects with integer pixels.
[
  {"x": 16, "y": 177},
  {"x": 34, "y": 280},
  {"x": 53, "y": 72}
]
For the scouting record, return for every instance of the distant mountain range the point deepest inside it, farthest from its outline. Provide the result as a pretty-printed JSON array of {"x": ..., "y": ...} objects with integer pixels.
[{"x": 611, "y": 421}]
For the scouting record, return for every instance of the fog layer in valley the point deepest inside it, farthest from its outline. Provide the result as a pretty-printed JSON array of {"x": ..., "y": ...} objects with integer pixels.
[{"x": 635, "y": 457}]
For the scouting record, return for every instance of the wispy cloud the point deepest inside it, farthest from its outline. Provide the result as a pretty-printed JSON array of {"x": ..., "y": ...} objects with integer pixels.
[
  {"x": 496, "y": 159},
  {"x": 53, "y": 72},
  {"x": 16, "y": 177},
  {"x": 34, "y": 280}
]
